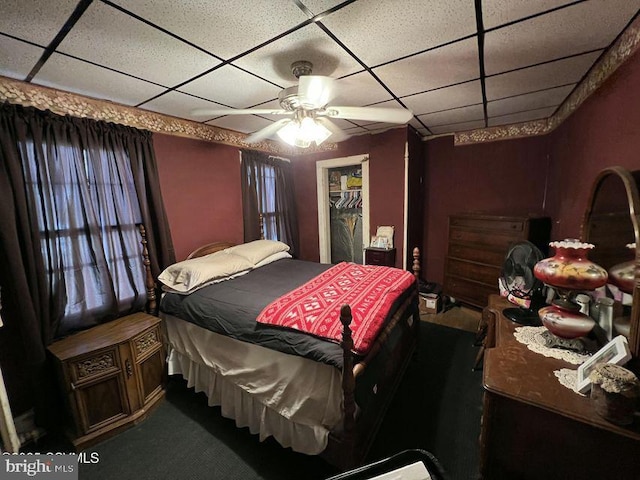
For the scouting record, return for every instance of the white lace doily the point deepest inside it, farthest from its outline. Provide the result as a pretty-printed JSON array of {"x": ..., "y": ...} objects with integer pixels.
[
  {"x": 568, "y": 378},
  {"x": 534, "y": 340}
]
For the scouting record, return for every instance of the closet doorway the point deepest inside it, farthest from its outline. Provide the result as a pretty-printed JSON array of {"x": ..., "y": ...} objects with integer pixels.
[{"x": 343, "y": 208}]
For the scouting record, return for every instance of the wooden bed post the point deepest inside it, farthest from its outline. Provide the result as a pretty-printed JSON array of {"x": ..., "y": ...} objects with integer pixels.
[
  {"x": 416, "y": 263},
  {"x": 416, "y": 273},
  {"x": 348, "y": 385},
  {"x": 149, "y": 283},
  {"x": 261, "y": 220}
]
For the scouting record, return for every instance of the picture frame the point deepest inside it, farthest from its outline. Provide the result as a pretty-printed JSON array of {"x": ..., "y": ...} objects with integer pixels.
[
  {"x": 378, "y": 241},
  {"x": 616, "y": 352}
]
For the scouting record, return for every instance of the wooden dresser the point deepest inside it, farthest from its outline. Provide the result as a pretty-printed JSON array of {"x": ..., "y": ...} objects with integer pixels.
[
  {"x": 477, "y": 247},
  {"x": 534, "y": 427},
  {"x": 111, "y": 375}
]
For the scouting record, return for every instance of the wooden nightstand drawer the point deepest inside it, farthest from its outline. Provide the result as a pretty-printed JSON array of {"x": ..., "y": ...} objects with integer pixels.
[
  {"x": 380, "y": 256},
  {"x": 94, "y": 366},
  {"x": 146, "y": 343}
]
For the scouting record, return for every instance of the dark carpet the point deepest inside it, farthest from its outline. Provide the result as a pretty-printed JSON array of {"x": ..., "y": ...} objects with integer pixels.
[{"x": 437, "y": 408}]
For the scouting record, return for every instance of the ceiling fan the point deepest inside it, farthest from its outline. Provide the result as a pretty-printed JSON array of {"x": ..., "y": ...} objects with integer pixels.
[{"x": 307, "y": 112}]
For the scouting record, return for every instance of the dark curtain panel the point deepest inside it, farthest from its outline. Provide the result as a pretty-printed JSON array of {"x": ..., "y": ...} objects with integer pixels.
[
  {"x": 72, "y": 191},
  {"x": 250, "y": 167},
  {"x": 267, "y": 189}
]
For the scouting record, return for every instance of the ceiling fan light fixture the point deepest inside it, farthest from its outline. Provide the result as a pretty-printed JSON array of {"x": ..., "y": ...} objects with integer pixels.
[
  {"x": 312, "y": 131},
  {"x": 303, "y": 132}
]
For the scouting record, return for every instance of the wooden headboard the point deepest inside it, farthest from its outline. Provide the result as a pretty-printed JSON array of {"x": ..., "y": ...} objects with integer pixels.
[{"x": 209, "y": 248}]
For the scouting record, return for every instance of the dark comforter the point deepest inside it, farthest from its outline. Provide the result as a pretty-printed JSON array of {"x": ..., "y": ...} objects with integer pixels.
[{"x": 231, "y": 307}]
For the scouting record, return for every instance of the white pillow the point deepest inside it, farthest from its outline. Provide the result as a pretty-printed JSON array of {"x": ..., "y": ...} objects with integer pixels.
[
  {"x": 191, "y": 274},
  {"x": 273, "y": 258},
  {"x": 258, "y": 250},
  {"x": 167, "y": 289}
]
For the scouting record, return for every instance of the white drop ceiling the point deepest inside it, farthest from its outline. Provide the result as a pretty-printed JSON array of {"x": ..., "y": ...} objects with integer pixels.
[{"x": 456, "y": 64}]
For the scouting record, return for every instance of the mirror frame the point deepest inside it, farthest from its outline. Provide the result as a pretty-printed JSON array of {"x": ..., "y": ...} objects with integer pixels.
[{"x": 633, "y": 198}]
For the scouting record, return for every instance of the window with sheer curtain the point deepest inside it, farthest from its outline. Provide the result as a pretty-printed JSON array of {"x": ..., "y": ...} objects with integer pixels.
[
  {"x": 267, "y": 191},
  {"x": 88, "y": 215}
]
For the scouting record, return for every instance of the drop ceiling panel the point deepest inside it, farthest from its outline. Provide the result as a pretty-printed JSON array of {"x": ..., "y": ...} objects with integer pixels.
[
  {"x": 454, "y": 63},
  {"x": 180, "y": 105},
  {"x": 379, "y": 32},
  {"x": 540, "y": 77},
  {"x": 233, "y": 87},
  {"x": 223, "y": 27},
  {"x": 423, "y": 52},
  {"x": 319, "y": 6},
  {"x": 17, "y": 58},
  {"x": 580, "y": 28},
  {"x": 343, "y": 124},
  {"x": 34, "y": 20},
  {"x": 310, "y": 43},
  {"x": 382, "y": 127},
  {"x": 359, "y": 89},
  {"x": 241, "y": 123},
  {"x": 106, "y": 36},
  {"x": 357, "y": 131},
  {"x": 80, "y": 77},
  {"x": 522, "y": 116},
  {"x": 455, "y": 115},
  {"x": 531, "y": 101},
  {"x": 468, "y": 93},
  {"x": 499, "y": 12},
  {"x": 458, "y": 127}
]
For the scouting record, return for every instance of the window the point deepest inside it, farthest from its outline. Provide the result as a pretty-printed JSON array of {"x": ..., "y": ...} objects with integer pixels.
[
  {"x": 88, "y": 213},
  {"x": 268, "y": 191}
]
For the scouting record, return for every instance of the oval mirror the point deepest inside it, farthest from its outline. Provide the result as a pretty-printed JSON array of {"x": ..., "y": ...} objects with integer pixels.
[{"x": 611, "y": 224}]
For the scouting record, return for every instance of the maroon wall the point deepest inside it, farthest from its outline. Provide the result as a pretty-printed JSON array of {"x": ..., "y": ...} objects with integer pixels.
[
  {"x": 201, "y": 180},
  {"x": 200, "y": 183},
  {"x": 552, "y": 174},
  {"x": 506, "y": 177},
  {"x": 603, "y": 132},
  {"x": 386, "y": 186}
]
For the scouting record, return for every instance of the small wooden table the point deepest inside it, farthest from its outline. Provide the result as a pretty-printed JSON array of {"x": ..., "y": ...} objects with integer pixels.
[
  {"x": 534, "y": 427},
  {"x": 111, "y": 376}
]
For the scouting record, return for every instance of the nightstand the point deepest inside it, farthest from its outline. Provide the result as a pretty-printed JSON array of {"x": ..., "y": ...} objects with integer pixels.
[
  {"x": 110, "y": 375},
  {"x": 380, "y": 256}
]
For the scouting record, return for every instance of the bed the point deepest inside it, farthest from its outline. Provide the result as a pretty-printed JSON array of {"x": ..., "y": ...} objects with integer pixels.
[{"x": 315, "y": 395}]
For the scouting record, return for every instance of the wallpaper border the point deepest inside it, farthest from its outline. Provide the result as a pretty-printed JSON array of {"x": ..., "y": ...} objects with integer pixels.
[
  {"x": 76, "y": 105},
  {"x": 621, "y": 50}
]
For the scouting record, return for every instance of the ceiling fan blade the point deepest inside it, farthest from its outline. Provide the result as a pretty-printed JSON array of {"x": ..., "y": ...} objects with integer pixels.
[
  {"x": 315, "y": 91},
  {"x": 337, "y": 134},
  {"x": 267, "y": 131},
  {"x": 204, "y": 112},
  {"x": 372, "y": 114}
]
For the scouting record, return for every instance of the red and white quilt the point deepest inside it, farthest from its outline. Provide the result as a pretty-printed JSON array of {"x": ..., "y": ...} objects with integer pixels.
[{"x": 314, "y": 307}]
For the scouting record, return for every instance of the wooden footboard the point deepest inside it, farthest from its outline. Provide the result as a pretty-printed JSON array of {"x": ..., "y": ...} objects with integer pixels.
[{"x": 349, "y": 445}]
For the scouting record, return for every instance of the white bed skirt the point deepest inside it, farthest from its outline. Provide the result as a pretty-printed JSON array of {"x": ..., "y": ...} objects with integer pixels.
[{"x": 293, "y": 399}]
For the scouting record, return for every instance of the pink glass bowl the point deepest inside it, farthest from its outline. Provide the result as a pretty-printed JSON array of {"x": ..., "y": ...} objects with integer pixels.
[{"x": 565, "y": 324}]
